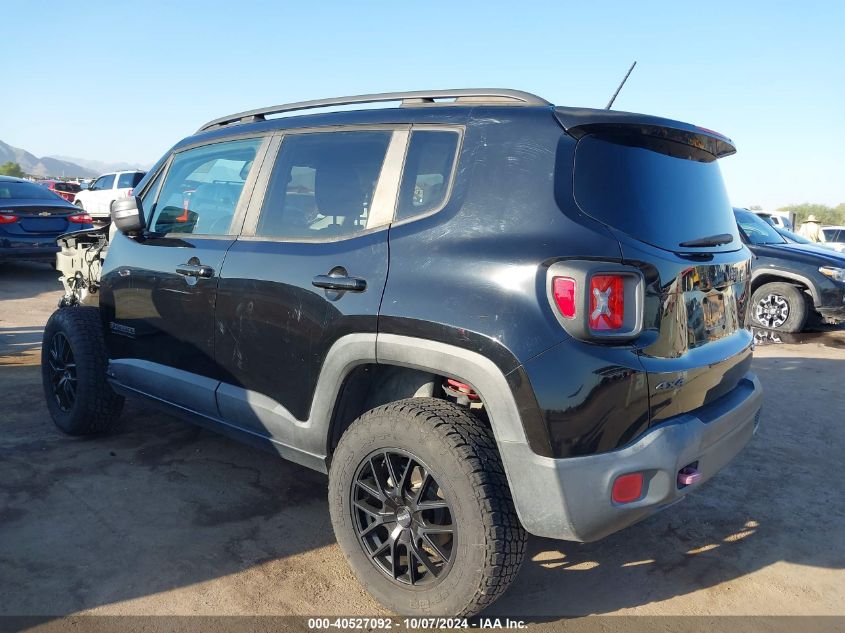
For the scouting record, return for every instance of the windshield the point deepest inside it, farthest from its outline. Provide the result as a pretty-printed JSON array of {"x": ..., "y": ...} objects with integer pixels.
[
  {"x": 656, "y": 190},
  {"x": 756, "y": 230},
  {"x": 13, "y": 190},
  {"x": 800, "y": 239}
]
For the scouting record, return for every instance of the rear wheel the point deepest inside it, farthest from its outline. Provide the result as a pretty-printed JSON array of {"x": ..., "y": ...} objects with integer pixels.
[
  {"x": 421, "y": 508},
  {"x": 73, "y": 373},
  {"x": 779, "y": 306}
]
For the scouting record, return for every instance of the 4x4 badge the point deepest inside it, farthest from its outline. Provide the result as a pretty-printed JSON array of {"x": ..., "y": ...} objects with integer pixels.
[{"x": 670, "y": 384}]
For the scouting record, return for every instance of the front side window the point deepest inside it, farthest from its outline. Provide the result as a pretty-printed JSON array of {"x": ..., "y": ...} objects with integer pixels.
[
  {"x": 428, "y": 167},
  {"x": 201, "y": 190},
  {"x": 322, "y": 184},
  {"x": 105, "y": 182}
]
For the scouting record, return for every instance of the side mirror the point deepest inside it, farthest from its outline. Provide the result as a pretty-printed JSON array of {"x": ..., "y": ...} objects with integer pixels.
[{"x": 127, "y": 214}]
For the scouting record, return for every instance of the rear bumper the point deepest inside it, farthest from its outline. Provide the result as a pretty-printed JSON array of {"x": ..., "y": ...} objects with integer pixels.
[
  {"x": 42, "y": 250},
  {"x": 570, "y": 498}
]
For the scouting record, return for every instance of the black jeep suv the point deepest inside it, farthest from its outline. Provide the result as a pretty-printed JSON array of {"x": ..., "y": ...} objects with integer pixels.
[{"x": 479, "y": 313}]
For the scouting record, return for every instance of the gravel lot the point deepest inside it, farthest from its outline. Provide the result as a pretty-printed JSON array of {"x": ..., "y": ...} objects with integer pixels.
[{"x": 167, "y": 518}]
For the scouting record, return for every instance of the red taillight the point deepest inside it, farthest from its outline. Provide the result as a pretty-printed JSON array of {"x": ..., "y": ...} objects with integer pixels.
[
  {"x": 563, "y": 289},
  {"x": 129, "y": 192},
  {"x": 80, "y": 218},
  {"x": 607, "y": 302},
  {"x": 8, "y": 218},
  {"x": 627, "y": 488}
]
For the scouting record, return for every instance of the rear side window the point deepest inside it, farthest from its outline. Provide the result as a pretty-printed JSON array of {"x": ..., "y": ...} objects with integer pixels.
[
  {"x": 129, "y": 180},
  {"x": 202, "y": 187},
  {"x": 322, "y": 184},
  {"x": 833, "y": 235},
  {"x": 428, "y": 169},
  {"x": 655, "y": 190}
]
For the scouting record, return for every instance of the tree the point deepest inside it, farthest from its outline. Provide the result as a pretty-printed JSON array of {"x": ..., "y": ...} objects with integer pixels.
[
  {"x": 11, "y": 168},
  {"x": 823, "y": 213}
]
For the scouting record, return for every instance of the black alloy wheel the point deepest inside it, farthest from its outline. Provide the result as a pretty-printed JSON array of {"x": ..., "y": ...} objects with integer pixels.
[
  {"x": 62, "y": 371},
  {"x": 402, "y": 518}
]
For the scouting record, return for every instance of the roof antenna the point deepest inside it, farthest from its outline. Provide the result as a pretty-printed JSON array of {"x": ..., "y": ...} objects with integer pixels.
[{"x": 624, "y": 79}]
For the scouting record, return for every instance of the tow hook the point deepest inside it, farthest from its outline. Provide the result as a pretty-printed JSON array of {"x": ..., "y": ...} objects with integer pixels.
[{"x": 688, "y": 475}]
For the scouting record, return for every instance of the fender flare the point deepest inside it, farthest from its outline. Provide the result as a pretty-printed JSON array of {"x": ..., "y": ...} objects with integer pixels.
[
  {"x": 791, "y": 276},
  {"x": 470, "y": 367}
]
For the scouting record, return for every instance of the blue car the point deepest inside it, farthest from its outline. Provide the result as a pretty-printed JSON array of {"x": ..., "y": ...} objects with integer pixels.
[{"x": 31, "y": 218}]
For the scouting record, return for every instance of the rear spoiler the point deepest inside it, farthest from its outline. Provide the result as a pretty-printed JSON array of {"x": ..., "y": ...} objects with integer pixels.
[{"x": 579, "y": 122}]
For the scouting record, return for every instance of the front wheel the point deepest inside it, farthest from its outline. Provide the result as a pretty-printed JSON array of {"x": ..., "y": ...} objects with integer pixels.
[
  {"x": 422, "y": 510},
  {"x": 79, "y": 204},
  {"x": 73, "y": 373},
  {"x": 779, "y": 306}
]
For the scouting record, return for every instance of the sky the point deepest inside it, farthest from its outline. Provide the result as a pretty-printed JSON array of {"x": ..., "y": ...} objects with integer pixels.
[{"x": 123, "y": 81}]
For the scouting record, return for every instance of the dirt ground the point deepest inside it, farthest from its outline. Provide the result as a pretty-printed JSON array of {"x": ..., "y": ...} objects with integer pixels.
[{"x": 167, "y": 518}]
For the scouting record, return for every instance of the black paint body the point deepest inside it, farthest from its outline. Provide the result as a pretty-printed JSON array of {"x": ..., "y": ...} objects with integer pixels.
[{"x": 472, "y": 275}]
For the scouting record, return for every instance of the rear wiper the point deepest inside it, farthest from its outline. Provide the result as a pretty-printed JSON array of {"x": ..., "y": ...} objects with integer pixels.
[{"x": 713, "y": 240}]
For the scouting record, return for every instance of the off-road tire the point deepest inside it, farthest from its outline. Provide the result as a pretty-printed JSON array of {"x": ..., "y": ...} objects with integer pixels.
[
  {"x": 95, "y": 407},
  {"x": 796, "y": 301},
  {"x": 489, "y": 541}
]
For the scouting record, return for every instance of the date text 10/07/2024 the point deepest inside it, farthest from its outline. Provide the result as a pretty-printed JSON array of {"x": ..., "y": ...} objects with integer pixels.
[{"x": 386, "y": 624}]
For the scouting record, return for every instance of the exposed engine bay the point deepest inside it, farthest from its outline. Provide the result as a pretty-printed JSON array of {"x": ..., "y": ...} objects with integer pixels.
[{"x": 80, "y": 262}]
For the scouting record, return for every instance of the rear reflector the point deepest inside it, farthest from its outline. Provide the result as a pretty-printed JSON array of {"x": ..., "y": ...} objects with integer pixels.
[
  {"x": 627, "y": 488},
  {"x": 80, "y": 218},
  {"x": 564, "y": 293},
  {"x": 8, "y": 218},
  {"x": 607, "y": 302}
]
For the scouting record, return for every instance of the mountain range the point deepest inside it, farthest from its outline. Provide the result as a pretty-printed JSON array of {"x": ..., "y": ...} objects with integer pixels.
[{"x": 58, "y": 166}]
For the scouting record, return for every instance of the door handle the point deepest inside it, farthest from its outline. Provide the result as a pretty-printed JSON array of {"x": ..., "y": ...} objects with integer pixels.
[
  {"x": 330, "y": 282},
  {"x": 195, "y": 270}
]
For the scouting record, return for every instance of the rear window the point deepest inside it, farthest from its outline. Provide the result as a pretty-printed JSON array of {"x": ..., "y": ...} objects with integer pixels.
[
  {"x": 658, "y": 191},
  {"x": 24, "y": 191}
]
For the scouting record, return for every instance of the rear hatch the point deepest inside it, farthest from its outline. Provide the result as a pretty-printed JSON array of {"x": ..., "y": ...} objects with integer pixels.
[{"x": 657, "y": 186}]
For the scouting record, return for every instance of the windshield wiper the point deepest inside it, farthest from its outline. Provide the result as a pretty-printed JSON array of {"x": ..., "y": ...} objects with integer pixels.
[{"x": 712, "y": 240}]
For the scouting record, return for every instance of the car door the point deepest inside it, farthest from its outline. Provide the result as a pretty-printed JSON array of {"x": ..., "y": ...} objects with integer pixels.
[
  {"x": 158, "y": 298},
  {"x": 92, "y": 196},
  {"x": 309, "y": 268}
]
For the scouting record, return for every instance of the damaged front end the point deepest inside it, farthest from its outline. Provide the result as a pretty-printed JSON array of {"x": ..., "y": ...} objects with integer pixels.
[{"x": 80, "y": 262}]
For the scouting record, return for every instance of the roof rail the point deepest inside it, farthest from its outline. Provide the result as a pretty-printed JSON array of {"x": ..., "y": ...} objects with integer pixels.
[{"x": 413, "y": 98}]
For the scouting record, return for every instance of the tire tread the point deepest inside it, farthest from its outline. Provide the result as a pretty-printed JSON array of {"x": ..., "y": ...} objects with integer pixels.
[{"x": 473, "y": 446}]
